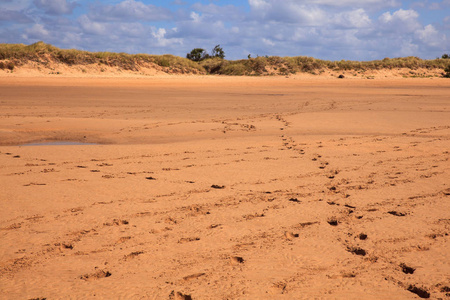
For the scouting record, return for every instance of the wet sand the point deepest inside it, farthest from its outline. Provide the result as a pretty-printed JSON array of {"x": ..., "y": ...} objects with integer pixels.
[{"x": 224, "y": 188}]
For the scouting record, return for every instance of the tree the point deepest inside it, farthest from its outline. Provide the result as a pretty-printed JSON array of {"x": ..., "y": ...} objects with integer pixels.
[
  {"x": 197, "y": 54},
  {"x": 445, "y": 56},
  {"x": 218, "y": 52}
]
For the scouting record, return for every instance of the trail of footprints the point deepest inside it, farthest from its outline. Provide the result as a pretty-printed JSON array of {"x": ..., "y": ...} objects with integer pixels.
[{"x": 344, "y": 223}]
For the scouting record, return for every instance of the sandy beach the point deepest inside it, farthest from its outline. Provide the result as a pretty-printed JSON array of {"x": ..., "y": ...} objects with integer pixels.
[{"x": 211, "y": 187}]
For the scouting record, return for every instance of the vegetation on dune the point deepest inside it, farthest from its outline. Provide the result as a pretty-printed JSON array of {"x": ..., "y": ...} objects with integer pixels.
[
  {"x": 200, "y": 54},
  {"x": 199, "y": 61},
  {"x": 18, "y": 54}
]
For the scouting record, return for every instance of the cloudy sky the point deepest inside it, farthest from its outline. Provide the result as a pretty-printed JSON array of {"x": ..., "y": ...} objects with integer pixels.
[{"x": 326, "y": 29}]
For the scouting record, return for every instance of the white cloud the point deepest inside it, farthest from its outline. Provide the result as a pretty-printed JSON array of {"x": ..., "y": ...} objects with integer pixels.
[
  {"x": 92, "y": 27},
  {"x": 55, "y": 7},
  {"x": 353, "y": 19},
  {"x": 400, "y": 21},
  {"x": 129, "y": 11},
  {"x": 15, "y": 4},
  {"x": 14, "y": 16},
  {"x": 430, "y": 36},
  {"x": 195, "y": 17},
  {"x": 37, "y": 32},
  {"x": 268, "y": 42},
  {"x": 289, "y": 11}
]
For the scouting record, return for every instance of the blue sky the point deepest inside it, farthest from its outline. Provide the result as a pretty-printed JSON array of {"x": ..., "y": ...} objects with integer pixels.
[{"x": 326, "y": 29}]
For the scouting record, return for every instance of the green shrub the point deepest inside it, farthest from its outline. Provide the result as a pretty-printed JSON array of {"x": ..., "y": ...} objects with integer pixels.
[
  {"x": 238, "y": 69},
  {"x": 447, "y": 72}
]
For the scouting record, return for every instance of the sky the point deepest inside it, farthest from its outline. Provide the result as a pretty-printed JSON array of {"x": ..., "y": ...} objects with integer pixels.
[{"x": 324, "y": 29}]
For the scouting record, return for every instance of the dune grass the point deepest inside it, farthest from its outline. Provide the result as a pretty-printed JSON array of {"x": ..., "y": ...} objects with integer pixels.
[
  {"x": 292, "y": 65},
  {"x": 18, "y": 54},
  {"x": 12, "y": 55}
]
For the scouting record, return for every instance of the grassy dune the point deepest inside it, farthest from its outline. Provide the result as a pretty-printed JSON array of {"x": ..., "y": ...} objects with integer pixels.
[{"x": 16, "y": 55}]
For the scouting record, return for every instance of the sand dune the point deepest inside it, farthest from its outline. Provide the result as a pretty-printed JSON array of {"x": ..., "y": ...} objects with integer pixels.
[{"x": 204, "y": 187}]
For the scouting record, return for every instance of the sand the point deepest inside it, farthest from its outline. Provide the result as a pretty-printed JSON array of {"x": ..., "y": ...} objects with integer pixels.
[{"x": 205, "y": 187}]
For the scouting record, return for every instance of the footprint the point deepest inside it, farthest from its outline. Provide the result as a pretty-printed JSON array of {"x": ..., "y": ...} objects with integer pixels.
[
  {"x": 290, "y": 235},
  {"x": 396, "y": 213},
  {"x": 187, "y": 240},
  {"x": 179, "y": 296},
  {"x": 406, "y": 269},
  {"x": 193, "y": 276},
  {"x": 332, "y": 221},
  {"x": 255, "y": 215},
  {"x": 64, "y": 246},
  {"x": 219, "y": 187},
  {"x": 96, "y": 275},
  {"x": 422, "y": 293},
  {"x": 116, "y": 222},
  {"x": 278, "y": 288},
  {"x": 357, "y": 251},
  {"x": 34, "y": 183},
  {"x": 236, "y": 260},
  {"x": 123, "y": 239},
  {"x": 133, "y": 254},
  {"x": 295, "y": 200},
  {"x": 362, "y": 236}
]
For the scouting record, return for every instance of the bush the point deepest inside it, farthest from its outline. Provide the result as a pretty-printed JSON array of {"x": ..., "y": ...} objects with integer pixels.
[
  {"x": 213, "y": 65},
  {"x": 197, "y": 54},
  {"x": 447, "y": 72},
  {"x": 10, "y": 65},
  {"x": 238, "y": 69},
  {"x": 218, "y": 52}
]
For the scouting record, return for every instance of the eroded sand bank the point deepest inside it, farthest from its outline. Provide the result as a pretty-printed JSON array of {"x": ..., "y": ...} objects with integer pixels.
[{"x": 224, "y": 188}]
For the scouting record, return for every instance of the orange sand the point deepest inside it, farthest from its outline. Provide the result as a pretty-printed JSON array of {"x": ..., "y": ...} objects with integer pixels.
[{"x": 224, "y": 188}]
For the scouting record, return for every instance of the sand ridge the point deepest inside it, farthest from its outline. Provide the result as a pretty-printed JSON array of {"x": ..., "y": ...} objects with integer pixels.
[{"x": 225, "y": 188}]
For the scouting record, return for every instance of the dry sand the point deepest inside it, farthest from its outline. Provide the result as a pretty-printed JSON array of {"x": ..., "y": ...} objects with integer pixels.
[{"x": 224, "y": 188}]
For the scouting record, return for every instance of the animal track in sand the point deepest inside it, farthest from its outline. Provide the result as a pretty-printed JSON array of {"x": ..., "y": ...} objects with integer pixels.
[
  {"x": 278, "y": 288},
  {"x": 116, "y": 222},
  {"x": 34, "y": 183},
  {"x": 396, "y": 213},
  {"x": 406, "y": 269},
  {"x": 290, "y": 235},
  {"x": 362, "y": 236},
  {"x": 12, "y": 226},
  {"x": 63, "y": 246},
  {"x": 252, "y": 216},
  {"x": 421, "y": 292},
  {"x": 236, "y": 260},
  {"x": 332, "y": 221},
  {"x": 193, "y": 276},
  {"x": 187, "y": 240},
  {"x": 218, "y": 187},
  {"x": 133, "y": 255},
  {"x": 357, "y": 251},
  {"x": 123, "y": 239},
  {"x": 96, "y": 275},
  {"x": 179, "y": 296}
]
